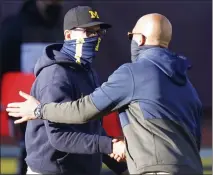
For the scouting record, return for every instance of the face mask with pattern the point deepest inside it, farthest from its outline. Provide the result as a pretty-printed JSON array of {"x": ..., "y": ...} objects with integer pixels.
[{"x": 82, "y": 50}]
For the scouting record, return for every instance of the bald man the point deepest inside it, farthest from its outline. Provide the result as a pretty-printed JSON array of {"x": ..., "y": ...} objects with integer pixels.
[{"x": 159, "y": 109}]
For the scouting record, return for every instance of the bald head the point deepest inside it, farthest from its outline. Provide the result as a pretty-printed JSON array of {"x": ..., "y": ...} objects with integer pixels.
[{"x": 156, "y": 28}]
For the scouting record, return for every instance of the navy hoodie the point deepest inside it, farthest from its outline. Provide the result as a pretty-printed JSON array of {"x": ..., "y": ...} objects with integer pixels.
[
  {"x": 64, "y": 148},
  {"x": 159, "y": 110},
  {"x": 147, "y": 84}
]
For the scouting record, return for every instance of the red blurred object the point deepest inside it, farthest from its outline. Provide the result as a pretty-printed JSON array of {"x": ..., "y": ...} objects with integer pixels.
[
  {"x": 11, "y": 84},
  {"x": 112, "y": 125},
  {"x": 4, "y": 124}
]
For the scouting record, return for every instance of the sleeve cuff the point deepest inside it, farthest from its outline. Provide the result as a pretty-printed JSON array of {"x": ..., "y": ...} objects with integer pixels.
[{"x": 105, "y": 145}]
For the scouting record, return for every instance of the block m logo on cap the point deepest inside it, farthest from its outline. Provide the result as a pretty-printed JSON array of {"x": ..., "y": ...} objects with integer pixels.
[{"x": 94, "y": 14}]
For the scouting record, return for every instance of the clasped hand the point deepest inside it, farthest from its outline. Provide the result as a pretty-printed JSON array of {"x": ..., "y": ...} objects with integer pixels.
[{"x": 118, "y": 149}]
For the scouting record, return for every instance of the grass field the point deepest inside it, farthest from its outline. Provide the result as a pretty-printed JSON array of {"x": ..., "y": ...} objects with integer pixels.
[{"x": 9, "y": 165}]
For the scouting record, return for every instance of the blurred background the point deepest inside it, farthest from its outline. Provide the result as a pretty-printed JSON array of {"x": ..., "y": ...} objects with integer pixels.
[{"x": 26, "y": 28}]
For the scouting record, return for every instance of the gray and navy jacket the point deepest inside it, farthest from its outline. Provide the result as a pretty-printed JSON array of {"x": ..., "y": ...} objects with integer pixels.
[
  {"x": 66, "y": 148},
  {"x": 159, "y": 111}
]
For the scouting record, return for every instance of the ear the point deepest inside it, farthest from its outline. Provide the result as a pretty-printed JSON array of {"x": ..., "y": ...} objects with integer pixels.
[
  {"x": 142, "y": 40},
  {"x": 67, "y": 34}
]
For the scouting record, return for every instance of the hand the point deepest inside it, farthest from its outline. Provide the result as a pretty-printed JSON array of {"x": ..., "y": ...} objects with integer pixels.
[
  {"x": 25, "y": 110},
  {"x": 118, "y": 148}
]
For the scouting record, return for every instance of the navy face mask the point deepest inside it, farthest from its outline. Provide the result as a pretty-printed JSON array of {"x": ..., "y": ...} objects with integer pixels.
[
  {"x": 134, "y": 50},
  {"x": 82, "y": 50}
]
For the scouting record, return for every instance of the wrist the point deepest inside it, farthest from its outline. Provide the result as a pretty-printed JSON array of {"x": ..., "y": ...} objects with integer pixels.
[{"x": 38, "y": 111}]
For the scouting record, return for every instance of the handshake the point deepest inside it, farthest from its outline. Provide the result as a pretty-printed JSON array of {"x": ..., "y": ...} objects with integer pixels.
[{"x": 118, "y": 149}]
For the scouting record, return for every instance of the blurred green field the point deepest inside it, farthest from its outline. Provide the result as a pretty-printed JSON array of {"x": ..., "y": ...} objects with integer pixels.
[{"x": 9, "y": 166}]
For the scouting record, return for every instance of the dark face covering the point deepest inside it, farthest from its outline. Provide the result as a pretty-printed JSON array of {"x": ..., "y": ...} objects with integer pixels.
[
  {"x": 134, "y": 50},
  {"x": 52, "y": 12},
  {"x": 82, "y": 51}
]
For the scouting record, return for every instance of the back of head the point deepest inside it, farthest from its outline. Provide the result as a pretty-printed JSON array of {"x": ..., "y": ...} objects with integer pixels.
[{"x": 156, "y": 28}]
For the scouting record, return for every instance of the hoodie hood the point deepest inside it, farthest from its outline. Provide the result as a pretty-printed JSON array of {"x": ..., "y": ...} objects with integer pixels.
[
  {"x": 52, "y": 55},
  {"x": 173, "y": 65}
]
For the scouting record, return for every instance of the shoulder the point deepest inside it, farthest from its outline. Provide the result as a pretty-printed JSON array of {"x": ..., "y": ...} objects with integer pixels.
[
  {"x": 125, "y": 67},
  {"x": 55, "y": 75},
  {"x": 123, "y": 72}
]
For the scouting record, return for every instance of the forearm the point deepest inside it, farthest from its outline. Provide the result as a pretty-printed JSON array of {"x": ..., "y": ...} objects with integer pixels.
[
  {"x": 110, "y": 96},
  {"x": 81, "y": 143},
  {"x": 76, "y": 112}
]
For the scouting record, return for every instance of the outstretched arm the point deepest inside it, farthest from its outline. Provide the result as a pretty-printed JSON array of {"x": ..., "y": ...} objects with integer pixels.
[{"x": 113, "y": 94}]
